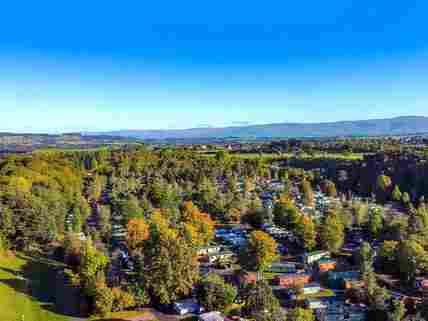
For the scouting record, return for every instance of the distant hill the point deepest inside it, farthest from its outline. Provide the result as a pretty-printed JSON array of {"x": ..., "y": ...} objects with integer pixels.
[
  {"x": 23, "y": 143},
  {"x": 373, "y": 127}
]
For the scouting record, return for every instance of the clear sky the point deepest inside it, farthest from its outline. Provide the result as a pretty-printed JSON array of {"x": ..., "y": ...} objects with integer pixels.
[{"x": 105, "y": 65}]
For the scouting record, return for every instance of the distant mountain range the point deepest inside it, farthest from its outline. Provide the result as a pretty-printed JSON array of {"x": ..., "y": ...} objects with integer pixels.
[{"x": 374, "y": 127}]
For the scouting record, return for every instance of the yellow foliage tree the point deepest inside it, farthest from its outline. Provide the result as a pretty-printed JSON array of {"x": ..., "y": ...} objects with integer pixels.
[
  {"x": 261, "y": 251},
  {"x": 199, "y": 226},
  {"x": 137, "y": 233}
]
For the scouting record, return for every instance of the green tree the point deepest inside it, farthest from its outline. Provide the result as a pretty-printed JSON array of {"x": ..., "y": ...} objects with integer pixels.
[
  {"x": 222, "y": 156},
  {"x": 104, "y": 221},
  {"x": 384, "y": 184},
  {"x": 171, "y": 267},
  {"x": 306, "y": 232},
  {"x": 299, "y": 314},
  {"x": 396, "y": 194},
  {"x": 361, "y": 213},
  {"x": 94, "y": 164},
  {"x": 332, "y": 233},
  {"x": 140, "y": 294},
  {"x": 411, "y": 257},
  {"x": 206, "y": 194},
  {"x": 405, "y": 199},
  {"x": 329, "y": 188},
  {"x": 286, "y": 214},
  {"x": 388, "y": 256},
  {"x": 260, "y": 303},
  {"x": 366, "y": 257},
  {"x": 129, "y": 209},
  {"x": 376, "y": 222},
  {"x": 397, "y": 312},
  {"x": 92, "y": 263},
  {"x": 378, "y": 304},
  {"x": 76, "y": 222},
  {"x": 7, "y": 225},
  {"x": 308, "y": 193},
  {"x": 215, "y": 294},
  {"x": 3, "y": 244},
  {"x": 103, "y": 300}
]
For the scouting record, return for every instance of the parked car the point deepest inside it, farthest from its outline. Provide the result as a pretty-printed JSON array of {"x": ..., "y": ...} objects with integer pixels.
[{"x": 187, "y": 307}]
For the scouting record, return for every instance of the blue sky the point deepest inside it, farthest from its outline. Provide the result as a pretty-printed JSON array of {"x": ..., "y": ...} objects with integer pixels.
[{"x": 99, "y": 65}]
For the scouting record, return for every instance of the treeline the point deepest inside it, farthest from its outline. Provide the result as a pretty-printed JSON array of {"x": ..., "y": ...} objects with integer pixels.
[{"x": 409, "y": 171}]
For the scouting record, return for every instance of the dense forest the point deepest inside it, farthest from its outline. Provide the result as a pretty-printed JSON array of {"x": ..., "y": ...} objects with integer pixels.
[{"x": 129, "y": 224}]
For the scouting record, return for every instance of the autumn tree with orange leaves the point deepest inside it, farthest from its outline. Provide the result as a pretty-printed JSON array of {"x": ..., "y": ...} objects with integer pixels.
[
  {"x": 137, "y": 233},
  {"x": 260, "y": 252},
  {"x": 306, "y": 232},
  {"x": 198, "y": 226}
]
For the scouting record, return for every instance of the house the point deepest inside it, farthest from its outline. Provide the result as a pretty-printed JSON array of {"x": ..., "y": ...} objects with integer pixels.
[
  {"x": 325, "y": 265},
  {"x": 187, "y": 306},
  {"x": 211, "y": 316},
  {"x": 423, "y": 285},
  {"x": 206, "y": 250},
  {"x": 221, "y": 256},
  {"x": 312, "y": 288},
  {"x": 342, "y": 280},
  {"x": 350, "y": 248},
  {"x": 283, "y": 268},
  {"x": 338, "y": 311},
  {"x": 315, "y": 304},
  {"x": 312, "y": 257},
  {"x": 356, "y": 314},
  {"x": 290, "y": 280}
]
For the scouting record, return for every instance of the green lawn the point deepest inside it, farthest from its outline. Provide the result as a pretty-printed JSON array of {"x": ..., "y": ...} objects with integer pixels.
[
  {"x": 304, "y": 156},
  {"x": 26, "y": 287},
  {"x": 126, "y": 315}
]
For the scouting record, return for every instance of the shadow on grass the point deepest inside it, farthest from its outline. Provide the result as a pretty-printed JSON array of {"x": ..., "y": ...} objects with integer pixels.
[
  {"x": 10, "y": 271},
  {"x": 40, "y": 281}
]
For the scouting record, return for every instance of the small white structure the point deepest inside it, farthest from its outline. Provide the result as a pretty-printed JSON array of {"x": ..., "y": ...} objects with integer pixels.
[
  {"x": 207, "y": 250},
  {"x": 311, "y": 288},
  {"x": 313, "y": 257}
]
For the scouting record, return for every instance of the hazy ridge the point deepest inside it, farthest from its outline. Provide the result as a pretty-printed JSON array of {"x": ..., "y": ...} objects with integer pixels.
[{"x": 374, "y": 127}]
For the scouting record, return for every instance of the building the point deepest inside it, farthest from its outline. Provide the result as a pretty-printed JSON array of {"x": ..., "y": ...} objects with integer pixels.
[
  {"x": 207, "y": 250},
  {"x": 312, "y": 288},
  {"x": 315, "y": 304},
  {"x": 312, "y": 257},
  {"x": 223, "y": 256},
  {"x": 290, "y": 280},
  {"x": 338, "y": 311},
  {"x": 343, "y": 280},
  {"x": 325, "y": 265},
  {"x": 283, "y": 268}
]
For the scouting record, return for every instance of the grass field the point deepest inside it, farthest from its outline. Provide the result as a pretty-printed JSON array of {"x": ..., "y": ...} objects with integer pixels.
[
  {"x": 27, "y": 286},
  {"x": 120, "y": 316},
  {"x": 305, "y": 156}
]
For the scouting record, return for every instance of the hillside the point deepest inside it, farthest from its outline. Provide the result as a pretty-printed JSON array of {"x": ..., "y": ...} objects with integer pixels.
[
  {"x": 27, "y": 290},
  {"x": 374, "y": 127}
]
